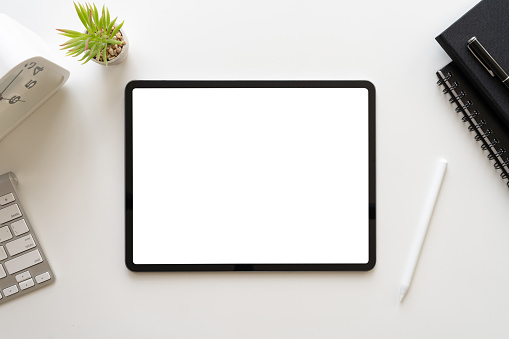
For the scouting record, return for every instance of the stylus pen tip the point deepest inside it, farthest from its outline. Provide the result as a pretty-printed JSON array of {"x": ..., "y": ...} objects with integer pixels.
[{"x": 402, "y": 293}]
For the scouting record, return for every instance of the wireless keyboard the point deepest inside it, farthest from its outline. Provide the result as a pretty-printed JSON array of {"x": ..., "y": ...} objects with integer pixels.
[{"x": 23, "y": 265}]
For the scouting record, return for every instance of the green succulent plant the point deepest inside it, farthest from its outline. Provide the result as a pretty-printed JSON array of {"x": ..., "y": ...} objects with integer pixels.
[{"x": 99, "y": 36}]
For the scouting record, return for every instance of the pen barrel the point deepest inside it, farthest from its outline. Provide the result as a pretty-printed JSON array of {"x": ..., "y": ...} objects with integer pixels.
[
  {"x": 506, "y": 82},
  {"x": 488, "y": 60},
  {"x": 422, "y": 226},
  {"x": 500, "y": 73}
]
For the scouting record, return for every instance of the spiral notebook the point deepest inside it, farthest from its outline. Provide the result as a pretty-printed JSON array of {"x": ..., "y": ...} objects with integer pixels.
[{"x": 486, "y": 125}]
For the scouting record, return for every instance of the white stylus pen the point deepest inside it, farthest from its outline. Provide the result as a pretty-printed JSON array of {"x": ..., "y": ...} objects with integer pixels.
[{"x": 422, "y": 228}]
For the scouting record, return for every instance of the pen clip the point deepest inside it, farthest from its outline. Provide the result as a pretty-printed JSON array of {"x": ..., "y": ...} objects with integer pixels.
[{"x": 477, "y": 57}]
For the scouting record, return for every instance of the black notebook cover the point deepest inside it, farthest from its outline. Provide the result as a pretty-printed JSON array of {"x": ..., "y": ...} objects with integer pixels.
[
  {"x": 489, "y": 22},
  {"x": 484, "y": 124}
]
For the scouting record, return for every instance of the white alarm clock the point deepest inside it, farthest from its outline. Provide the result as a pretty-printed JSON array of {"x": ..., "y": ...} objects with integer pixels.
[{"x": 28, "y": 74}]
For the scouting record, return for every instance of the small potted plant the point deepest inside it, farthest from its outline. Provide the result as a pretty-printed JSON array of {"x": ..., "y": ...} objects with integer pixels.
[{"x": 103, "y": 41}]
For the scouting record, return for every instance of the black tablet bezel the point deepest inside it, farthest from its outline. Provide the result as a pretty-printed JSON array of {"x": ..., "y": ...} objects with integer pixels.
[{"x": 246, "y": 267}]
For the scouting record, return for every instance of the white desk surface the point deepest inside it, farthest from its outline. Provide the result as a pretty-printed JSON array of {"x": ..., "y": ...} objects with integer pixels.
[{"x": 69, "y": 159}]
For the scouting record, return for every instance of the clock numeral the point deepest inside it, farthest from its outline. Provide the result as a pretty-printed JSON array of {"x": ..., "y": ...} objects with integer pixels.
[
  {"x": 15, "y": 99},
  {"x": 38, "y": 69},
  {"x": 30, "y": 84}
]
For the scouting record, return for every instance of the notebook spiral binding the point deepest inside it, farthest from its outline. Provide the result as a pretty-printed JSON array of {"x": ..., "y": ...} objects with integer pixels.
[{"x": 476, "y": 124}]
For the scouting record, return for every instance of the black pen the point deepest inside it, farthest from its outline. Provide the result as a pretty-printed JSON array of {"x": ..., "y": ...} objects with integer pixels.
[{"x": 487, "y": 60}]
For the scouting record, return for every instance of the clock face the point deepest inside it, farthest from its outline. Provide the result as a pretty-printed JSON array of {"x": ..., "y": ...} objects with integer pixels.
[
  {"x": 25, "y": 87},
  {"x": 12, "y": 88}
]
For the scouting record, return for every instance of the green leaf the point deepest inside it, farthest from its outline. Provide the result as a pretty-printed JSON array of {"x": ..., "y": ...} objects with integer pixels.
[
  {"x": 101, "y": 20},
  {"x": 115, "y": 31},
  {"x": 113, "y": 42},
  {"x": 78, "y": 11},
  {"x": 91, "y": 20},
  {"x": 68, "y": 31},
  {"x": 93, "y": 27},
  {"x": 110, "y": 26},
  {"x": 89, "y": 55},
  {"x": 81, "y": 15},
  {"x": 96, "y": 17},
  {"x": 71, "y": 41},
  {"x": 69, "y": 35},
  {"x": 104, "y": 57},
  {"x": 76, "y": 52},
  {"x": 78, "y": 43},
  {"x": 81, "y": 44}
]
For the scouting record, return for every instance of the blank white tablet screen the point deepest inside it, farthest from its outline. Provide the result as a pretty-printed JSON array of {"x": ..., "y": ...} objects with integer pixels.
[{"x": 250, "y": 175}]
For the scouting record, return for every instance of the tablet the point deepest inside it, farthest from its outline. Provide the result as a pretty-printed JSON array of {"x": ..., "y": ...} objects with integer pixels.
[{"x": 250, "y": 175}]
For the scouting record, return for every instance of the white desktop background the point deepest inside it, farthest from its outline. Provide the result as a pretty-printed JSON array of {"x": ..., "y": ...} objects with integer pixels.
[
  {"x": 69, "y": 159},
  {"x": 250, "y": 175}
]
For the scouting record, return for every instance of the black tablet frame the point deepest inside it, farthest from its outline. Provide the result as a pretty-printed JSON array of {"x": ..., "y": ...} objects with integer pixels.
[{"x": 247, "y": 84}]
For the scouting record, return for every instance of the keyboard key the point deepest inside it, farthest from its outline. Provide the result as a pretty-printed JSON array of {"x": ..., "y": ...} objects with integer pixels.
[
  {"x": 10, "y": 290},
  {"x": 23, "y": 262},
  {"x": 42, "y": 277},
  {"x": 19, "y": 227},
  {"x": 3, "y": 255},
  {"x": 26, "y": 284},
  {"x": 2, "y": 272},
  {"x": 9, "y": 213},
  {"x": 23, "y": 276},
  {"x": 7, "y": 198},
  {"x": 5, "y": 234},
  {"x": 20, "y": 245}
]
